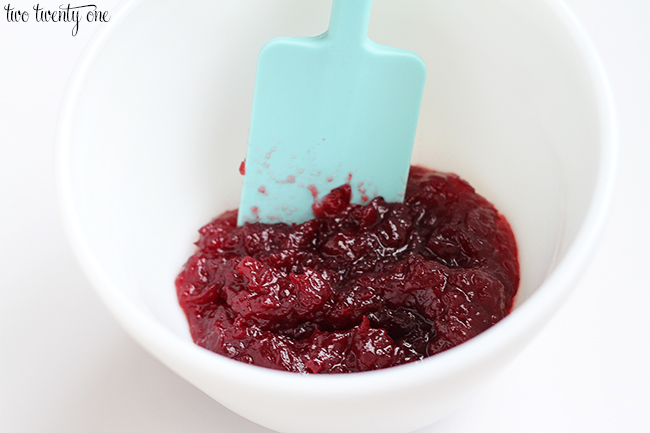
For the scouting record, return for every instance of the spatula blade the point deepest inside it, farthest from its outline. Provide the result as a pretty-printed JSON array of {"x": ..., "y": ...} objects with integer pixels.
[{"x": 325, "y": 113}]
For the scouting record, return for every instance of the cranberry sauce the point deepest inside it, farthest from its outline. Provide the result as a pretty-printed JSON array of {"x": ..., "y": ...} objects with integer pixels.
[{"x": 360, "y": 287}]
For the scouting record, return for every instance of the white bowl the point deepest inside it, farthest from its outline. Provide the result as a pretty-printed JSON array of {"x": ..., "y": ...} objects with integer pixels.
[{"x": 155, "y": 125}]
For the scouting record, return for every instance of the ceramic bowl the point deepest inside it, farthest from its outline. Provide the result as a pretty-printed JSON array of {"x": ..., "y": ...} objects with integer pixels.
[{"x": 155, "y": 124}]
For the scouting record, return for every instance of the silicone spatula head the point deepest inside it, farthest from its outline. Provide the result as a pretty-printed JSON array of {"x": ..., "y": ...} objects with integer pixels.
[{"x": 328, "y": 110}]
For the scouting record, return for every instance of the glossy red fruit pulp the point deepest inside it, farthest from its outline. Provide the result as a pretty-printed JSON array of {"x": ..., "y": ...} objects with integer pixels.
[{"x": 360, "y": 287}]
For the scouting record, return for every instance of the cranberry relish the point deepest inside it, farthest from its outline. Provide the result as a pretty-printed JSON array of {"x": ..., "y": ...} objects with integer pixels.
[{"x": 357, "y": 288}]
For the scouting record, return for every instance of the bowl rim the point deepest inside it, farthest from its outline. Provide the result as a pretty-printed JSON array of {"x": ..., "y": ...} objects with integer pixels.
[{"x": 527, "y": 317}]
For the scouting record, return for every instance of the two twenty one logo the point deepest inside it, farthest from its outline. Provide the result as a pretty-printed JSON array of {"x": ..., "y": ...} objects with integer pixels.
[{"x": 65, "y": 13}]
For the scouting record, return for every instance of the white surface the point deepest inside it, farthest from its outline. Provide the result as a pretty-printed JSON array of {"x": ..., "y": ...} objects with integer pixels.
[{"x": 66, "y": 366}]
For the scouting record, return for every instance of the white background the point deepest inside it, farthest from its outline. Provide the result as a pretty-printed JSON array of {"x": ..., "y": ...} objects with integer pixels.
[{"x": 66, "y": 366}]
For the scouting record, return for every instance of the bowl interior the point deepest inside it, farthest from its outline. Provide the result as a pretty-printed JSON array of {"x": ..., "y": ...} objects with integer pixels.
[{"x": 158, "y": 125}]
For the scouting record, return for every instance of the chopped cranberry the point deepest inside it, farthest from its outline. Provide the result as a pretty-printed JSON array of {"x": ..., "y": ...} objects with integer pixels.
[{"x": 334, "y": 202}]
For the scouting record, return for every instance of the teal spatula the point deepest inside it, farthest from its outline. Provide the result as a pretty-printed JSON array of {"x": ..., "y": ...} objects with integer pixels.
[{"x": 328, "y": 110}]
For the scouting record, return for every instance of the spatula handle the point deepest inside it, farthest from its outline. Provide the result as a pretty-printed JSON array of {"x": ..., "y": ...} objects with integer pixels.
[{"x": 349, "y": 21}]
